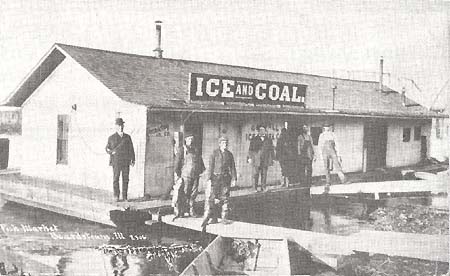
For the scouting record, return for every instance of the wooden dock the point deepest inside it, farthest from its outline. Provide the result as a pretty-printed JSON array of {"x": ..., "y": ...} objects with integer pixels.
[
  {"x": 399, "y": 186},
  {"x": 95, "y": 205},
  {"x": 64, "y": 203},
  {"x": 420, "y": 246}
]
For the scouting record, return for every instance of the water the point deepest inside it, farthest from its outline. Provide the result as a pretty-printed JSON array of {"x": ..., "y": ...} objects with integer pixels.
[
  {"x": 68, "y": 246},
  {"x": 341, "y": 215}
]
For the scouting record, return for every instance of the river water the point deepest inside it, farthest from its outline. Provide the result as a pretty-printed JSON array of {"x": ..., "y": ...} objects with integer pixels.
[{"x": 44, "y": 243}]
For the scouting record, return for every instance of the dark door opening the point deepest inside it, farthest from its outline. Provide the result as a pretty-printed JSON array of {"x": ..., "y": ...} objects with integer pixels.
[
  {"x": 423, "y": 148},
  {"x": 4, "y": 153},
  {"x": 375, "y": 145},
  {"x": 196, "y": 128}
]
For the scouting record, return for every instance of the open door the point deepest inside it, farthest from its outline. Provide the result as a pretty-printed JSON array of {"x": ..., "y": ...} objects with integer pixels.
[{"x": 375, "y": 145}]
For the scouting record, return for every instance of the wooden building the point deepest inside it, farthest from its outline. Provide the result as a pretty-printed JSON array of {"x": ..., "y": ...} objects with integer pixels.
[{"x": 70, "y": 99}]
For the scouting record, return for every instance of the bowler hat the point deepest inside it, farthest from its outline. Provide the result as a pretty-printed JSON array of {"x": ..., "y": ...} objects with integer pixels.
[
  {"x": 260, "y": 126},
  {"x": 119, "y": 121},
  {"x": 327, "y": 125}
]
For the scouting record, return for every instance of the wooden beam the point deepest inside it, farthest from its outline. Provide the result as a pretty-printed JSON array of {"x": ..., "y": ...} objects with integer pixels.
[{"x": 427, "y": 247}]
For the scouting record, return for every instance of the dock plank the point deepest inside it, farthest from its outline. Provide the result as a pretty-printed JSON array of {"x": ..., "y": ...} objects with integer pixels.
[
  {"x": 62, "y": 203},
  {"x": 427, "y": 247},
  {"x": 397, "y": 186}
]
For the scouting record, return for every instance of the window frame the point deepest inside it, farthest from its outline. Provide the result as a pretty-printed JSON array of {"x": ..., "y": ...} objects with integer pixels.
[{"x": 62, "y": 139}]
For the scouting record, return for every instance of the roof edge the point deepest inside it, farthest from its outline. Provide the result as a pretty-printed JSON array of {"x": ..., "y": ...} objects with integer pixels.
[
  {"x": 24, "y": 79},
  {"x": 220, "y": 64},
  {"x": 310, "y": 113}
]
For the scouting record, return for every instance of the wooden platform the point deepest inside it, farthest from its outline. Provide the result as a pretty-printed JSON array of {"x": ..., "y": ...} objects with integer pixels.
[
  {"x": 58, "y": 202},
  {"x": 399, "y": 186},
  {"x": 427, "y": 247}
]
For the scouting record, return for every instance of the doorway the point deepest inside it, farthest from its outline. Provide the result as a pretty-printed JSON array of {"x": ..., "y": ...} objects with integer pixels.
[
  {"x": 196, "y": 128},
  {"x": 423, "y": 148},
  {"x": 375, "y": 145},
  {"x": 4, "y": 153}
]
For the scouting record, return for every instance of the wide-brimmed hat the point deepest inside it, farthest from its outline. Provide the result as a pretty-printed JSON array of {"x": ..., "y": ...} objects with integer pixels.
[{"x": 119, "y": 121}]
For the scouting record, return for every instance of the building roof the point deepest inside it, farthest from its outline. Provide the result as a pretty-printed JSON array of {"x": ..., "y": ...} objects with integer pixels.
[{"x": 162, "y": 83}]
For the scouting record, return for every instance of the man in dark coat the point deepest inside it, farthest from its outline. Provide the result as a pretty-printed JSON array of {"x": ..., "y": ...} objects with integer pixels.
[
  {"x": 121, "y": 151},
  {"x": 287, "y": 155},
  {"x": 188, "y": 167},
  {"x": 282, "y": 155},
  {"x": 221, "y": 172},
  {"x": 260, "y": 156},
  {"x": 306, "y": 151}
]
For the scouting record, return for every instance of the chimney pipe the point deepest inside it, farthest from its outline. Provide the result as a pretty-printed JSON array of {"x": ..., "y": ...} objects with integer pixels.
[
  {"x": 403, "y": 96},
  {"x": 158, "y": 51},
  {"x": 381, "y": 74}
]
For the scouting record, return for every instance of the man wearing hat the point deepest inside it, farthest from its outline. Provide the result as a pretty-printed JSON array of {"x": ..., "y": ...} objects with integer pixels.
[
  {"x": 260, "y": 156},
  {"x": 121, "y": 151},
  {"x": 188, "y": 167},
  {"x": 306, "y": 152},
  {"x": 327, "y": 148},
  {"x": 221, "y": 172}
]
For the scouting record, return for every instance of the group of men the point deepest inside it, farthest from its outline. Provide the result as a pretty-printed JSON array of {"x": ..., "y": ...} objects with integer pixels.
[
  {"x": 296, "y": 154},
  {"x": 220, "y": 177},
  {"x": 294, "y": 151}
]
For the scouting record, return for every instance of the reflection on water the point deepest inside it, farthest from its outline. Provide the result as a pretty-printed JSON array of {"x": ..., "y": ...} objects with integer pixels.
[
  {"x": 342, "y": 215},
  {"x": 44, "y": 243},
  {"x": 72, "y": 247},
  {"x": 297, "y": 209}
]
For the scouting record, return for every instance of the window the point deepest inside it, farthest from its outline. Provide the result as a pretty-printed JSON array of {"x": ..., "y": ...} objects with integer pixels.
[
  {"x": 417, "y": 133},
  {"x": 406, "y": 134},
  {"x": 315, "y": 132},
  {"x": 62, "y": 139}
]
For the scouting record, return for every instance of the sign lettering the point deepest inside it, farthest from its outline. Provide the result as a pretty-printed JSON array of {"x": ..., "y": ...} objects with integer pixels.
[{"x": 206, "y": 87}]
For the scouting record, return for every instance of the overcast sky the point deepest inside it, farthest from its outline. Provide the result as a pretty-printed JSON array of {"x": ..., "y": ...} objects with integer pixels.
[{"x": 344, "y": 38}]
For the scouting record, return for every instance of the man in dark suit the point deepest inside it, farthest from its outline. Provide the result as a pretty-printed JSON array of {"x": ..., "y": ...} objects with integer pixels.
[
  {"x": 221, "y": 176},
  {"x": 121, "y": 151},
  {"x": 260, "y": 156}
]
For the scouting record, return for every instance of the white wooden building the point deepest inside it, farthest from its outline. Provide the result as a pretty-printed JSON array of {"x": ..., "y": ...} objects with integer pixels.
[{"x": 70, "y": 100}]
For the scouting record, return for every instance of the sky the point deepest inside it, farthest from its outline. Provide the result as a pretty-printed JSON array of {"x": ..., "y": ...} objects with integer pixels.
[{"x": 326, "y": 37}]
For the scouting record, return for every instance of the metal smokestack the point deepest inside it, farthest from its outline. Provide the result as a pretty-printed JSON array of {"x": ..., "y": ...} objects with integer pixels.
[
  {"x": 158, "y": 51},
  {"x": 381, "y": 74}
]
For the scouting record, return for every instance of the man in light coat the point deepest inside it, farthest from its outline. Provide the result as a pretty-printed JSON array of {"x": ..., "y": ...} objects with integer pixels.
[{"x": 328, "y": 150}]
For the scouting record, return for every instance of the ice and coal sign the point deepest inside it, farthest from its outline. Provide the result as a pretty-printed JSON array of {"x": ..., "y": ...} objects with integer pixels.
[{"x": 206, "y": 87}]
